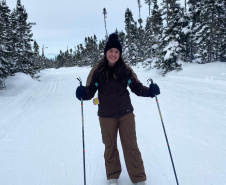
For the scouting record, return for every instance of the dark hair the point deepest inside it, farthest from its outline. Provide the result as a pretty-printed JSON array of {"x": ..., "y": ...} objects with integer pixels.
[{"x": 119, "y": 70}]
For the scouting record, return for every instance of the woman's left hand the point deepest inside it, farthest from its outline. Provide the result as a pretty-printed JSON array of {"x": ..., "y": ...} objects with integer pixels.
[{"x": 153, "y": 90}]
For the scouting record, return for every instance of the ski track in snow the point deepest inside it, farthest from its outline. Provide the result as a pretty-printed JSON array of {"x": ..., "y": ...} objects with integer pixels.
[{"x": 41, "y": 132}]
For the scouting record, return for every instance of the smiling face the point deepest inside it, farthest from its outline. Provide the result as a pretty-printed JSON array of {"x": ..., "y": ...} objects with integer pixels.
[{"x": 112, "y": 55}]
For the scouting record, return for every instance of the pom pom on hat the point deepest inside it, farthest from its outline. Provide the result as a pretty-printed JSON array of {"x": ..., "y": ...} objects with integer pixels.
[
  {"x": 113, "y": 36},
  {"x": 113, "y": 42}
]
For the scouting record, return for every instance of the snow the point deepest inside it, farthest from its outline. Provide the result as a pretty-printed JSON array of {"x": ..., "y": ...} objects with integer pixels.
[
  {"x": 170, "y": 49},
  {"x": 41, "y": 129}
]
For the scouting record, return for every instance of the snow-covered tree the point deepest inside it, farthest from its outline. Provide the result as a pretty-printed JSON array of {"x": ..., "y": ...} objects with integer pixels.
[
  {"x": 165, "y": 10},
  {"x": 131, "y": 36},
  {"x": 22, "y": 43},
  {"x": 37, "y": 61},
  {"x": 5, "y": 42},
  {"x": 220, "y": 43},
  {"x": 171, "y": 46},
  {"x": 149, "y": 39},
  {"x": 208, "y": 28},
  {"x": 91, "y": 53},
  {"x": 153, "y": 29}
]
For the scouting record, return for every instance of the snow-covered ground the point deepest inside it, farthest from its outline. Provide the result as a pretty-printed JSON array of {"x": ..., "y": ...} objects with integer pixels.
[{"x": 41, "y": 129}]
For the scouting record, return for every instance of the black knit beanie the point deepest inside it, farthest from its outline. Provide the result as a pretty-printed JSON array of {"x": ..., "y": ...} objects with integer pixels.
[{"x": 113, "y": 42}]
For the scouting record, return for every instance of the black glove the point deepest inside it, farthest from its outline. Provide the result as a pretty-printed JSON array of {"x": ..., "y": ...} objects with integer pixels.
[
  {"x": 153, "y": 90},
  {"x": 81, "y": 93}
]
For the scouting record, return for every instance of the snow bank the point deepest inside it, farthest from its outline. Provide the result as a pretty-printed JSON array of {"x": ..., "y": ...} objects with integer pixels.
[{"x": 17, "y": 84}]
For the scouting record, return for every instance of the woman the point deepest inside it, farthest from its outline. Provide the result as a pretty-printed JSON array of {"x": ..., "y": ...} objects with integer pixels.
[{"x": 111, "y": 76}]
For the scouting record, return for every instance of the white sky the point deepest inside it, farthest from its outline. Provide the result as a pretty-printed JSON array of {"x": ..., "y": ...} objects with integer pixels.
[{"x": 62, "y": 23}]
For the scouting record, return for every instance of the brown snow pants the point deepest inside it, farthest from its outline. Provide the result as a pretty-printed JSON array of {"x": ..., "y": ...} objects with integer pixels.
[{"x": 126, "y": 127}]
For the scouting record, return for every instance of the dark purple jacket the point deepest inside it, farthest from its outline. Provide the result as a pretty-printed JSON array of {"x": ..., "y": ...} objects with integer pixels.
[{"x": 114, "y": 98}]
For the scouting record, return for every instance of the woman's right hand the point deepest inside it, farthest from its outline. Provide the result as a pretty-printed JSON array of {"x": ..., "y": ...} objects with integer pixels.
[{"x": 81, "y": 93}]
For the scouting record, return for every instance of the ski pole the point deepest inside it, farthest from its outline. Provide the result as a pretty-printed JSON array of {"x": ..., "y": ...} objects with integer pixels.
[
  {"x": 166, "y": 136},
  {"x": 83, "y": 140}
]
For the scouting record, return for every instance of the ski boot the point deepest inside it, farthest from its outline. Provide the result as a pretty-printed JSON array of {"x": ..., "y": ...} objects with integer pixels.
[
  {"x": 113, "y": 182},
  {"x": 140, "y": 183}
]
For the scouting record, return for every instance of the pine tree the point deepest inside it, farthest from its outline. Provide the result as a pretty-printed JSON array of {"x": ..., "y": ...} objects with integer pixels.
[
  {"x": 208, "y": 29},
  {"x": 60, "y": 60},
  {"x": 195, "y": 19},
  {"x": 140, "y": 38},
  {"x": 148, "y": 44},
  {"x": 6, "y": 42},
  {"x": 165, "y": 10},
  {"x": 139, "y": 7},
  {"x": 154, "y": 31},
  {"x": 36, "y": 57},
  {"x": 23, "y": 38},
  {"x": 91, "y": 51},
  {"x": 78, "y": 56},
  {"x": 171, "y": 45},
  {"x": 122, "y": 39},
  {"x": 105, "y": 16},
  {"x": 148, "y": 2},
  {"x": 131, "y": 38},
  {"x": 140, "y": 44},
  {"x": 67, "y": 59},
  {"x": 101, "y": 46},
  {"x": 220, "y": 43}
]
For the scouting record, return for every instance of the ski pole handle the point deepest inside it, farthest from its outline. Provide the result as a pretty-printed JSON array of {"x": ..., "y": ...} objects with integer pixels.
[
  {"x": 80, "y": 81},
  {"x": 150, "y": 80},
  {"x": 152, "y": 83}
]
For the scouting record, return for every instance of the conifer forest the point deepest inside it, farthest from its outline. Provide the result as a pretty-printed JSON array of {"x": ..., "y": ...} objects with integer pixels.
[{"x": 171, "y": 35}]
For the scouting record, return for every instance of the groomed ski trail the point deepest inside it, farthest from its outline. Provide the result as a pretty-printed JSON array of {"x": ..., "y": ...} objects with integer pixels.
[{"x": 41, "y": 131}]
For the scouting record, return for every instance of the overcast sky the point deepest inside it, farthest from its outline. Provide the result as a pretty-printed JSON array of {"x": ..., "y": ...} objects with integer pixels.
[{"x": 66, "y": 23}]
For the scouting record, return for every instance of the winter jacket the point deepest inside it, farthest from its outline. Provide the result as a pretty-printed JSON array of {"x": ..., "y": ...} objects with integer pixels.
[{"x": 114, "y": 98}]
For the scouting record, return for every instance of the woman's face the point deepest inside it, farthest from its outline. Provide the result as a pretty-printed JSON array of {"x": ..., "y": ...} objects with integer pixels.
[{"x": 112, "y": 55}]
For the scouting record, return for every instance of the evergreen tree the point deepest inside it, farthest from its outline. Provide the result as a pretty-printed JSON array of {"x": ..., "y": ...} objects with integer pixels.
[
  {"x": 83, "y": 61},
  {"x": 208, "y": 29},
  {"x": 95, "y": 51},
  {"x": 36, "y": 57},
  {"x": 105, "y": 24},
  {"x": 91, "y": 54},
  {"x": 139, "y": 38},
  {"x": 78, "y": 56},
  {"x": 14, "y": 40},
  {"x": 5, "y": 40},
  {"x": 171, "y": 40},
  {"x": 148, "y": 45},
  {"x": 101, "y": 46},
  {"x": 140, "y": 44},
  {"x": 131, "y": 38},
  {"x": 153, "y": 29},
  {"x": 220, "y": 43},
  {"x": 36, "y": 48},
  {"x": 139, "y": 7},
  {"x": 195, "y": 19},
  {"x": 60, "y": 60},
  {"x": 122, "y": 39},
  {"x": 165, "y": 10},
  {"x": 148, "y": 2},
  {"x": 22, "y": 45}
]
